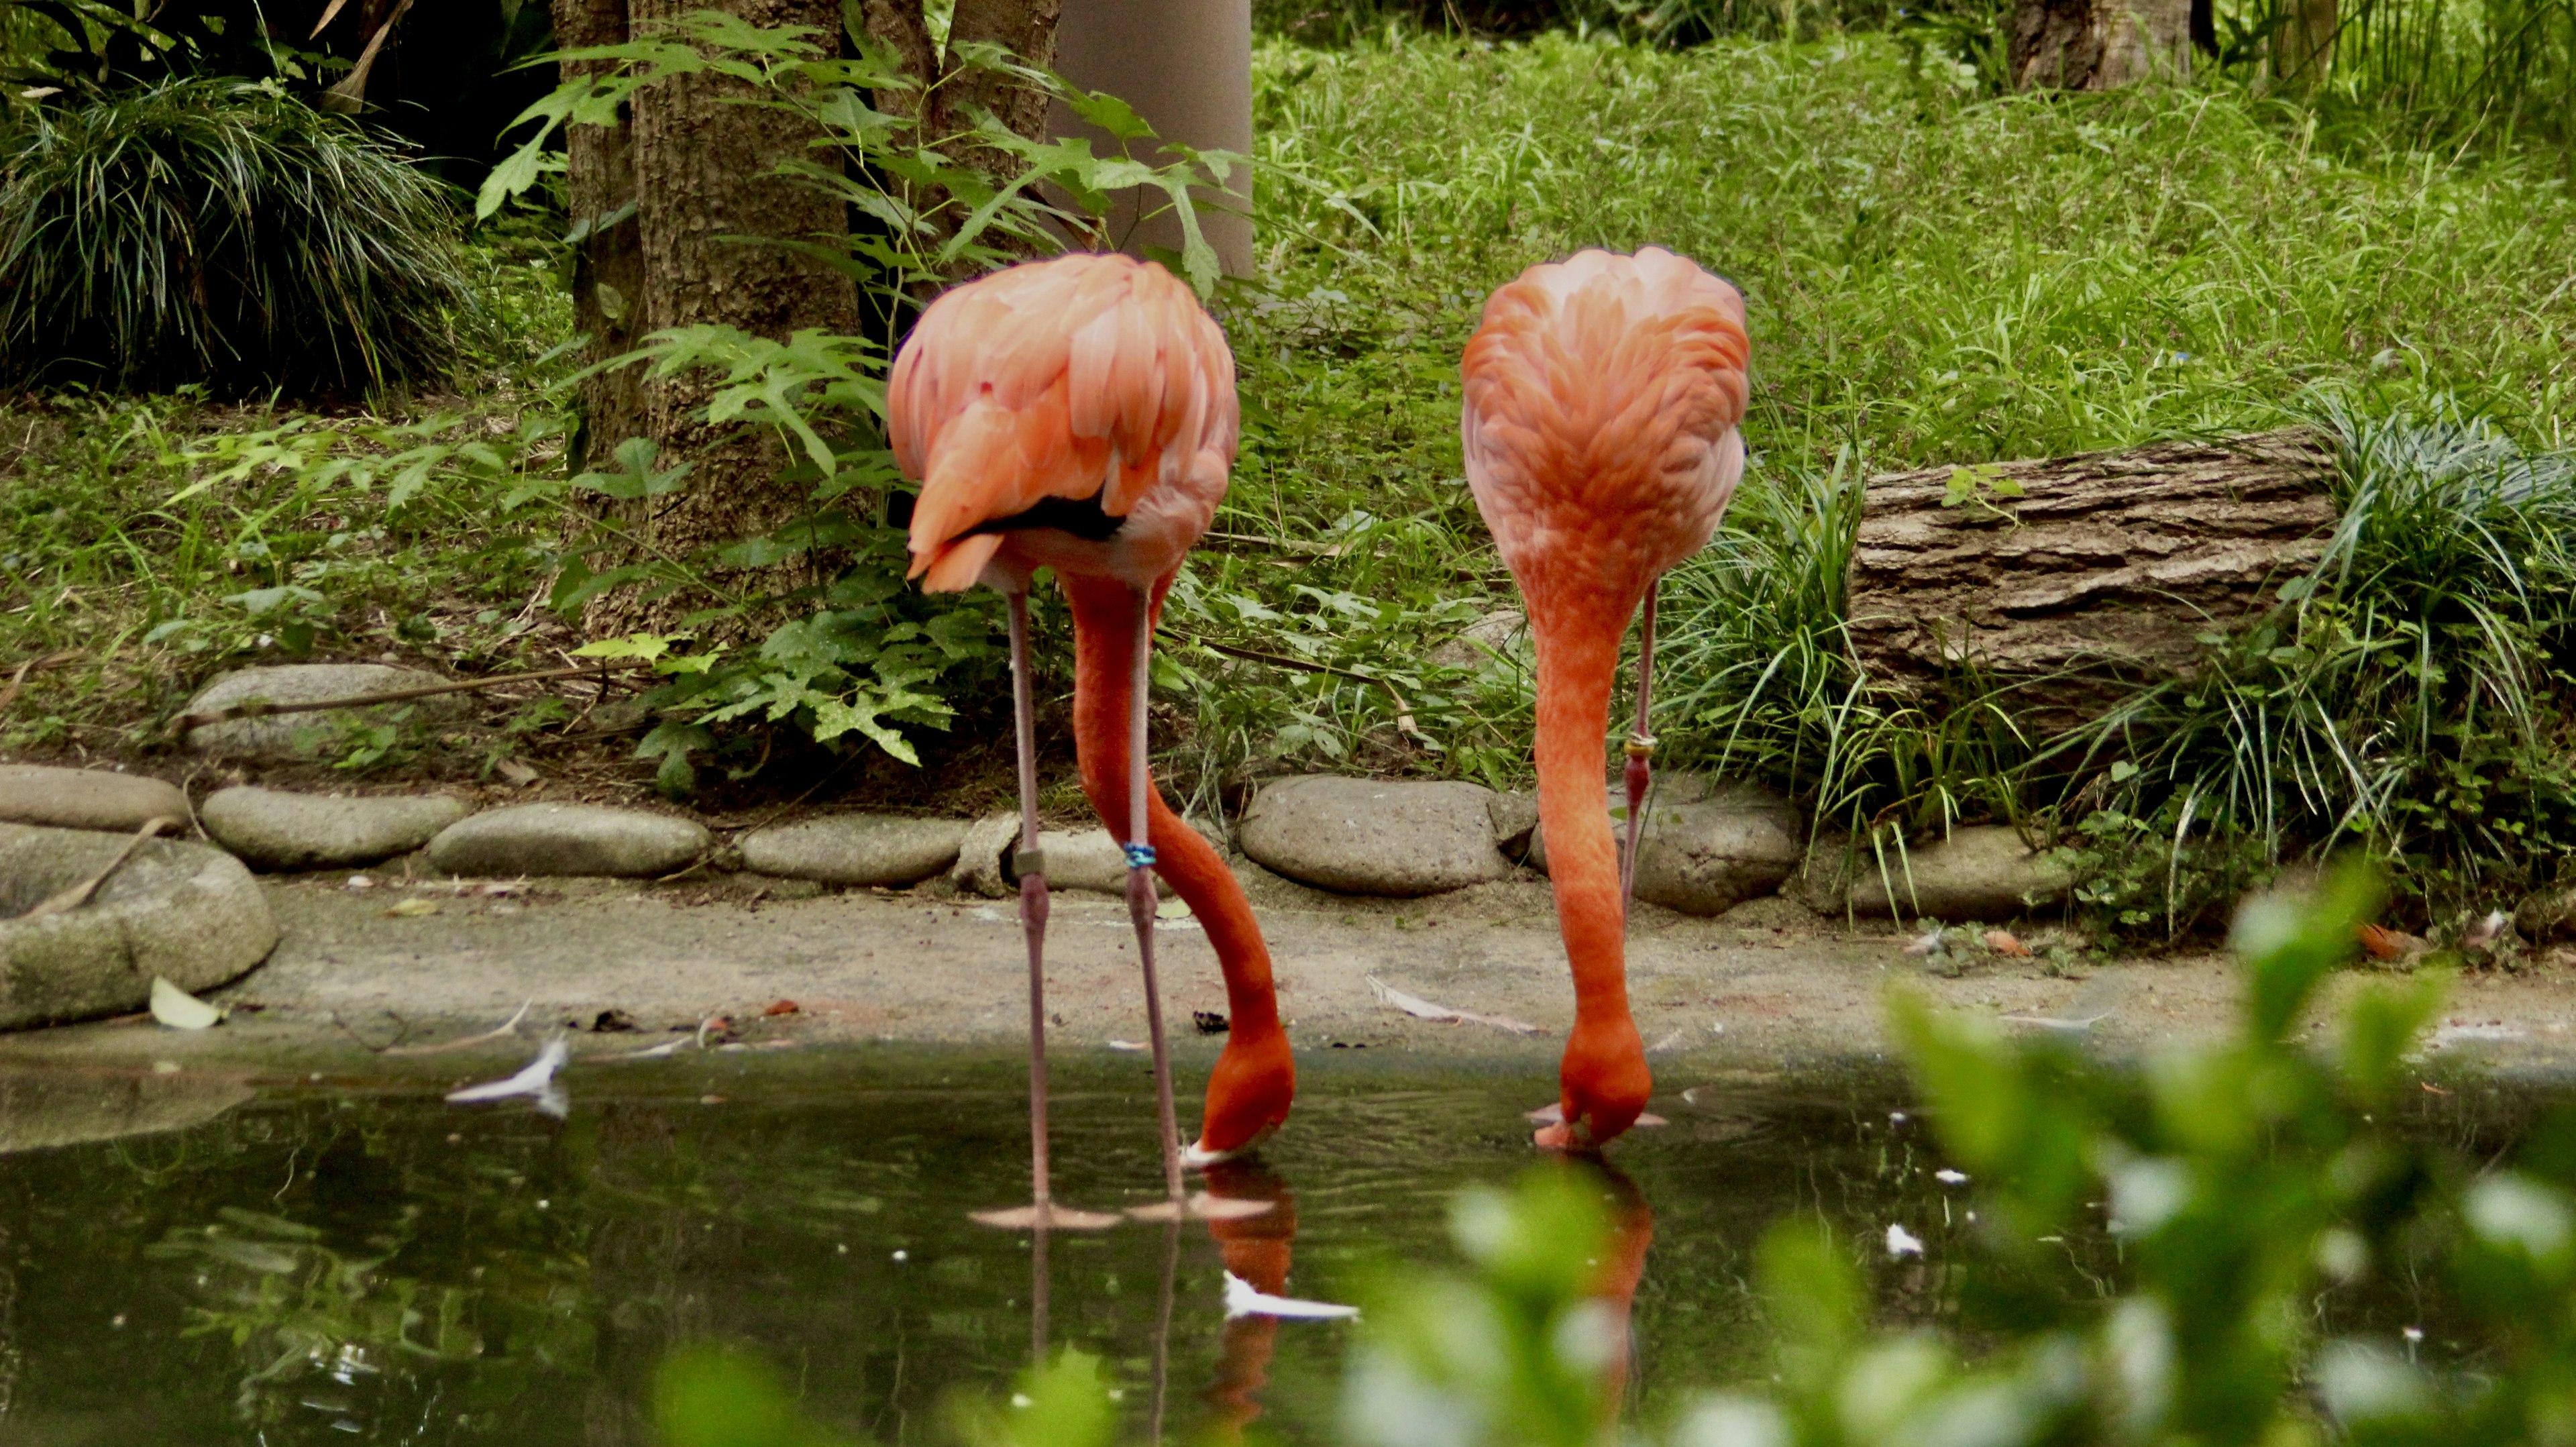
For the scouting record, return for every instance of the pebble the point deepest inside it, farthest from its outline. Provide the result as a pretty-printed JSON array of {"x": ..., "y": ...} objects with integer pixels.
[
  {"x": 86, "y": 798},
  {"x": 306, "y": 736},
  {"x": 1707, "y": 850},
  {"x": 874, "y": 849},
  {"x": 1394, "y": 837},
  {"x": 187, "y": 912},
  {"x": 273, "y": 829},
  {"x": 1982, "y": 872},
  {"x": 567, "y": 839}
]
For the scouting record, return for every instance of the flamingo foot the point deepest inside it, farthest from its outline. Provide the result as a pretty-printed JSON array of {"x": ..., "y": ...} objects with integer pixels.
[
  {"x": 1556, "y": 1135},
  {"x": 1044, "y": 1215},
  {"x": 1201, "y": 1207},
  {"x": 1199, "y": 1155}
]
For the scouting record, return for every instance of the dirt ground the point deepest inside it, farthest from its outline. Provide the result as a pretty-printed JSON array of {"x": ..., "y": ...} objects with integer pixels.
[{"x": 1768, "y": 987}]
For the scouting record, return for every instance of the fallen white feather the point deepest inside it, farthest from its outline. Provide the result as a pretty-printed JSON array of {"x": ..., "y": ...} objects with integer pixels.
[
  {"x": 1242, "y": 1300},
  {"x": 538, "y": 1081},
  {"x": 1129, "y": 1045},
  {"x": 1950, "y": 1177},
  {"x": 180, "y": 1010},
  {"x": 2056, "y": 1022},
  {"x": 1422, "y": 1009},
  {"x": 1902, "y": 1243}
]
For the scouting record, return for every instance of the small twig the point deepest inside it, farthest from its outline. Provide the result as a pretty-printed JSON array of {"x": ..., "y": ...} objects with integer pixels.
[
  {"x": 507, "y": 1027},
  {"x": 1403, "y": 711},
  {"x": 78, "y": 895},
  {"x": 261, "y": 708},
  {"x": 18, "y": 680}
]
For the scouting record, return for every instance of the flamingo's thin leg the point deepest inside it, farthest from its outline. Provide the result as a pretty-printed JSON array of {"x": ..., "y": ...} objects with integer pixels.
[
  {"x": 1031, "y": 867},
  {"x": 1640, "y": 749},
  {"x": 1140, "y": 896}
]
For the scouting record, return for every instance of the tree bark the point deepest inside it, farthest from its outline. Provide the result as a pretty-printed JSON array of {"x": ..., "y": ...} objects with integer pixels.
[
  {"x": 2101, "y": 577},
  {"x": 1186, "y": 66},
  {"x": 608, "y": 261},
  {"x": 2098, "y": 44},
  {"x": 2303, "y": 48},
  {"x": 703, "y": 189}
]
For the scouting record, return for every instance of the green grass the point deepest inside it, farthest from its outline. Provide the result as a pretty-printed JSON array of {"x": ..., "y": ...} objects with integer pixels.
[{"x": 220, "y": 234}]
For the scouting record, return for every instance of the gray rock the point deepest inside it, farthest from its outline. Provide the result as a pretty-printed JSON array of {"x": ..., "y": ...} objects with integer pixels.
[
  {"x": 273, "y": 829},
  {"x": 1085, "y": 859},
  {"x": 308, "y": 735},
  {"x": 567, "y": 839},
  {"x": 1499, "y": 633},
  {"x": 86, "y": 798},
  {"x": 1708, "y": 850},
  {"x": 186, "y": 911},
  {"x": 881, "y": 849},
  {"x": 1981, "y": 872},
  {"x": 1399, "y": 838},
  {"x": 2548, "y": 914},
  {"x": 1515, "y": 820}
]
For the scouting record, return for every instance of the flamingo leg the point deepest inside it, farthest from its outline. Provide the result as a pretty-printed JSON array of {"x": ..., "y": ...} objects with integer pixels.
[
  {"x": 1141, "y": 902},
  {"x": 1640, "y": 750},
  {"x": 1031, "y": 867}
]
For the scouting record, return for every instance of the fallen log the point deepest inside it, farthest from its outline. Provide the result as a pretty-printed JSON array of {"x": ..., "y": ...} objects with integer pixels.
[{"x": 2071, "y": 582}]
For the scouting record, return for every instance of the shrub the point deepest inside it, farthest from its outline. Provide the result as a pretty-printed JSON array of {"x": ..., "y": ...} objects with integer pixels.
[{"x": 210, "y": 231}]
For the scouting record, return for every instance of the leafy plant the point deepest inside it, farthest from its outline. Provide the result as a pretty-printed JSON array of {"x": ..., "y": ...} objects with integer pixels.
[
  {"x": 861, "y": 654},
  {"x": 222, "y": 234}
]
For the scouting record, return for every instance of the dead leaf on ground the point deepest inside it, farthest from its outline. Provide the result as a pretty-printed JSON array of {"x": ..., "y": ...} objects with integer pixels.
[
  {"x": 781, "y": 1007},
  {"x": 2008, "y": 944}
]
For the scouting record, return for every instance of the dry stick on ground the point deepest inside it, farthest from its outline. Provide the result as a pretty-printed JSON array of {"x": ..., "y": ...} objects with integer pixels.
[
  {"x": 502, "y": 1031},
  {"x": 18, "y": 680},
  {"x": 78, "y": 895},
  {"x": 1403, "y": 711},
  {"x": 260, "y": 708}
]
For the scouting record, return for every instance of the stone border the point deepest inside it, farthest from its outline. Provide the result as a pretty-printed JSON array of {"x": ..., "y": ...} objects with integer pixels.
[{"x": 1704, "y": 848}]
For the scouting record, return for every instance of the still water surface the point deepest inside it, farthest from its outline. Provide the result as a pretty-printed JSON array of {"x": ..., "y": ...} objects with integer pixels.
[{"x": 334, "y": 1262}]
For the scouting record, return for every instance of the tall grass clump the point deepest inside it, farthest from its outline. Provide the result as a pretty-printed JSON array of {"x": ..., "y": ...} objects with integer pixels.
[{"x": 210, "y": 231}]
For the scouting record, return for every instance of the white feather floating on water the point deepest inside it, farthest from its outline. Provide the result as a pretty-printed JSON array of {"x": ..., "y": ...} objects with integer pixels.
[
  {"x": 1902, "y": 1243},
  {"x": 538, "y": 1081},
  {"x": 1242, "y": 1300}
]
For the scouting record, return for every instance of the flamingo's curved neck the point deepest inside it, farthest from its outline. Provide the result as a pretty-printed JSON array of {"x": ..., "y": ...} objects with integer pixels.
[{"x": 1578, "y": 660}]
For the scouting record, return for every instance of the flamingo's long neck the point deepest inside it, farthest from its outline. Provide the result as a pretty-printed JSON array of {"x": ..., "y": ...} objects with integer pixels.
[
  {"x": 1578, "y": 659},
  {"x": 1103, "y": 656}
]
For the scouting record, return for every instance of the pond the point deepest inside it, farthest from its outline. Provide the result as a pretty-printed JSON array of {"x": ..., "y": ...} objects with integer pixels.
[{"x": 346, "y": 1259}]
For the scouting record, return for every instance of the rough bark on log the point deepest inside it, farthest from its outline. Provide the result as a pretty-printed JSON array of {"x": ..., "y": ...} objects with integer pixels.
[
  {"x": 2097, "y": 44},
  {"x": 2101, "y": 577}
]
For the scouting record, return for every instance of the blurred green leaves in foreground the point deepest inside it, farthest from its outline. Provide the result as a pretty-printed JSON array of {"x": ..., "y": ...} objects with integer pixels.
[{"x": 2250, "y": 1188}]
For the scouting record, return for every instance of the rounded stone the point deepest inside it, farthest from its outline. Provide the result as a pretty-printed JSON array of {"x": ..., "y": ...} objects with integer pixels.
[
  {"x": 314, "y": 735},
  {"x": 1982, "y": 872},
  {"x": 567, "y": 839},
  {"x": 879, "y": 849},
  {"x": 1087, "y": 859},
  {"x": 86, "y": 798},
  {"x": 187, "y": 912},
  {"x": 1395, "y": 837},
  {"x": 274, "y": 829},
  {"x": 1708, "y": 850}
]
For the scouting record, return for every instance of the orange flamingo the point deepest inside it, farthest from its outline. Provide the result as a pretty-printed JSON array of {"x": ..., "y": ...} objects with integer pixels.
[
  {"x": 1079, "y": 414},
  {"x": 1602, "y": 397}
]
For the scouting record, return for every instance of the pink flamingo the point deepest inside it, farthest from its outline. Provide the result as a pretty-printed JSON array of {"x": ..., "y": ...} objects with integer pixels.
[
  {"x": 1602, "y": 398},
  {"x": 1079, "y": 414}
]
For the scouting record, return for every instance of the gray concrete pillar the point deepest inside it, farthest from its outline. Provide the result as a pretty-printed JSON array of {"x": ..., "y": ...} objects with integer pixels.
[{"x": 1186, "y": 66}]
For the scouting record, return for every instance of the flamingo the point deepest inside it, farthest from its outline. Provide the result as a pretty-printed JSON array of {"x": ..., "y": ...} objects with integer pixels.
[
  {"x": 1602, "y": 395},
  {"x": 1079, "y": 414}
]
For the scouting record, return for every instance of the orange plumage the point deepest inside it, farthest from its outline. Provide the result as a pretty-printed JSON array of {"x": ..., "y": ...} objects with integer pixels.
[{"x": 1602, "y": 398}]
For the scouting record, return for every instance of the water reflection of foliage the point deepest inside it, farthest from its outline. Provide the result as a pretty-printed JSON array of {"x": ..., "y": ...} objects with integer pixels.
[{"x": 320, "y": 1329}]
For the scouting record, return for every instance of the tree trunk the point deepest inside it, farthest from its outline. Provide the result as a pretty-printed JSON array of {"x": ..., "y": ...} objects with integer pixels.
[
  {"x": 608, "y": 260},
  {"x": 702, "y": 185},
  {"x": 2101, "y": 577},
  {"x": 2098, "y": 44},
  {"x": 2303, "y": 48},
  {"x": 1186, "y": 66}
]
